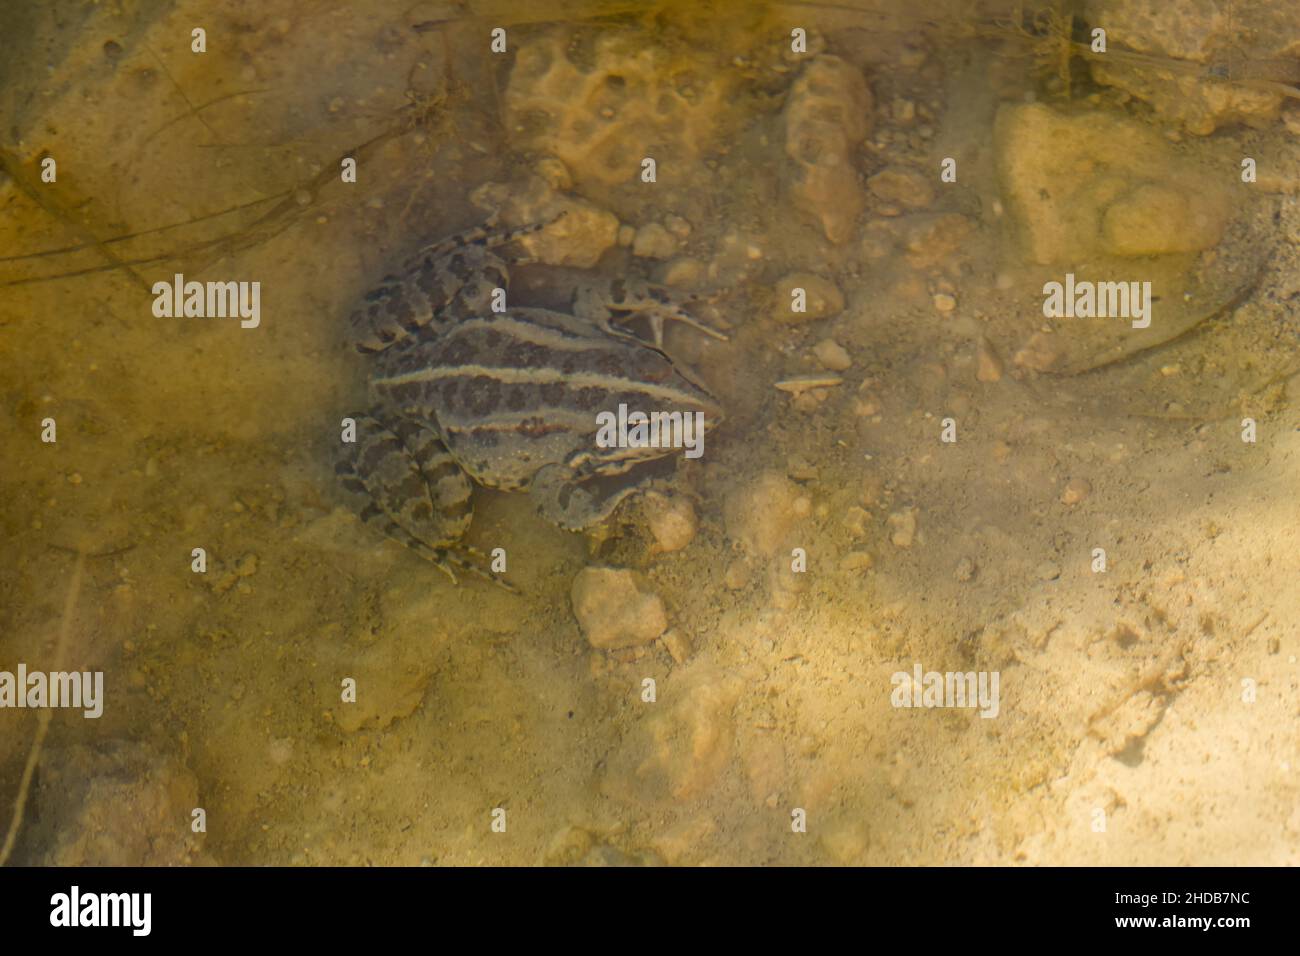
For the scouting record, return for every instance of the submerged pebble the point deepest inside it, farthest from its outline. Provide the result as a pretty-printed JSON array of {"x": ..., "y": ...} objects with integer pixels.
[
  {"x": 671, "y": 520},
  {"x": 761, "y": 514},
  {"x": 832, "y": 355},
  {"x": 821, "y": 298},
  {"x": 614, "y": 609}
]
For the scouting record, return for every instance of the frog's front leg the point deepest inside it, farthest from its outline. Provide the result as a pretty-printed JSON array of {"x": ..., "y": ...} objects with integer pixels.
[
  {"x": 402, "y": 480},
  {"x": 565, "y": 500},
  {"x": 622, "y": 299}
]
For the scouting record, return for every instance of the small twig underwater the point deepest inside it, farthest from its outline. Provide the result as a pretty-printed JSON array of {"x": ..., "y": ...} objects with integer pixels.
[{"x": 43, "y": 721}]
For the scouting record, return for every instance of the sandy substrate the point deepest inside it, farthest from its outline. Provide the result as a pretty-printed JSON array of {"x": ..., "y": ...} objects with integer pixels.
[{"x": 1147, "y": 712}]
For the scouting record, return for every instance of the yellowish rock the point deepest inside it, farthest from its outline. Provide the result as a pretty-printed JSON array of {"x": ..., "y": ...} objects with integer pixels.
[
  {"x": 820, "y": 298},
  {"x": 761, "y": 514},
  {"x": 653, "y": 241},
  {"x": 1155, "y": 219},
  {"x": 902, "y": 528},
  {"x": 828, "y": 112},
  {"x": 906, "y": 187},
  {"x": 671, "y": 520},
  {"x": 1095, "y": 183},
  {"x": 832, "y": 355},
  {"x": 1075, "y": 491},
  {"x": 856, "y": 561},
  {"x": 614, "y": 609},
  {"x": 602, "y": 106}
]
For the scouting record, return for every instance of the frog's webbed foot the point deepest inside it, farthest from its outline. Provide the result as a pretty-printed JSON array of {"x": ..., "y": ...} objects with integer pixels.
[
  {"x": 402, "y": 480},
  {"x": 467, "y": 560},
  {"x": 565, "y": 500},
  {"x": 606, "y": 302},
  {"x": 447, "y": 559}
]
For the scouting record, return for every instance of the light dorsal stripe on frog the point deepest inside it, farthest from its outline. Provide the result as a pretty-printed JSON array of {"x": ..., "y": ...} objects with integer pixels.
[
  {"x": 541, "y": 376},
  {"x": 625, "y": 367}
]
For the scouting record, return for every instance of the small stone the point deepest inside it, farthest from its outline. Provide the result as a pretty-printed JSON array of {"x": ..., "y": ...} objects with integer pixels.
[
  {"x": 677, "y": 644},
  {"x": 822, "y": 298},
  {"x": 684, "y": 273},
  {"x": 1048, "y": 571},
  {"x": 856, "y": 521},
  {"x": 902, "y": 528},
  {"x": 801, "y": 507},
  {"x": 866, "y": 406},
  {"x": 856, "y": 561},
  {"x": 626, "y": 235},
  {"x": 801, "y": 469},
  {"x": 965, "y": 570},
  {"x": 808, "y": 402},
  {"x": 938, "y": 240},
  {"x": 614, "y": 611},
  {"x": 653, "y": 241},
  {"x": 827, "y": 113},
  {"x": 903, "y": 186},
  {"x": 556, "y": 174},
  {"x": 878, "y": 239},
  {"x": 736, "y": 577},
  {"x": 832, "y": 355},
  {"x": 944, "y": 303},
  {"x": 1075, "y": 491},
  {"x": 1039, "y": 354},
  {"x": 672, "y": 521},
  {"x": 678, "y": 226}
]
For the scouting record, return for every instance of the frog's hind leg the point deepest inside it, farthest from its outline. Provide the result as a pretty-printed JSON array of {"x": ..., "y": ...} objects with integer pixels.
[
  {"x": 403, "y": 481},
  {"x": 444, "y": 283},
  {"x": 622, "y": 299},
  {"x": 432, "y": 294}
]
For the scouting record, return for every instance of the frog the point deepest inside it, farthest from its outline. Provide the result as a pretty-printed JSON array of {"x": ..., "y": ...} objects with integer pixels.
[{"x": 466, "y": 393}]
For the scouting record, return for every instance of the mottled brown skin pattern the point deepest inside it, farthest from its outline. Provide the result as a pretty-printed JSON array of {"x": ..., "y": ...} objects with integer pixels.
[{"x": 463, "y": 392}]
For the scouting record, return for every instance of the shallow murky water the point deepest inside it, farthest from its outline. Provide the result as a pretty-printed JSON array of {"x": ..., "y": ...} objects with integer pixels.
[{"x": 1009, "y": 334}]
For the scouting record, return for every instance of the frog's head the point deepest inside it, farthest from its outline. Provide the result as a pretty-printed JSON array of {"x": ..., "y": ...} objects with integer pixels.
[{"x": 668, "y": 415}]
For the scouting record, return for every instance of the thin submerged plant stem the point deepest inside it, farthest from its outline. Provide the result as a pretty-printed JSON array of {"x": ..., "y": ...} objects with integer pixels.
[{"x": 43, "y": 721}]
